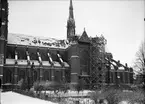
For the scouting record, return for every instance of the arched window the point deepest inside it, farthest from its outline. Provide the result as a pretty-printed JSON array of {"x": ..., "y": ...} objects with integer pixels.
[
  {"x": 0, "y": 83},
  {"x": 21, "y": 74},
  {"x": 68, "y": 76},
  {"x": 33, "y": 56},
  {"x": 35, "y": 75},
  {"x": 7, "y": 76},
  {"x": 10, "y": 53},
  {"x": 22, "y": 54},
  {"x": 84, "y": 61},
  {"x": 58, "y": 76},
  {"x": 44, "y": 56},
  {"x": 46, "y": 75}
]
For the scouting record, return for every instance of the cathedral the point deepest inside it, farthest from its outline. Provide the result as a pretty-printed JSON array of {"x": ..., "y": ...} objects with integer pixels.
[{"x": 77, "y": 57}]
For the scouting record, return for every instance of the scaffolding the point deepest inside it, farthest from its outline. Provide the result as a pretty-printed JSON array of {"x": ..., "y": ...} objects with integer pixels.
[{"x": 97, "y": 62}]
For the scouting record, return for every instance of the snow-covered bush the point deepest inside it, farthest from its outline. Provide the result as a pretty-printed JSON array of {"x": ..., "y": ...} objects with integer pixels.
[
  {"x": 136, "y": 96},
  {"x": 37, "y": 86},
  {"x": 42, "y": 95},
  {"x": 22, "y": 84},
  {"x": 31, "y": 92},
  {"x": 114, "y": 96},
  {"x": 50, "y": 85}
]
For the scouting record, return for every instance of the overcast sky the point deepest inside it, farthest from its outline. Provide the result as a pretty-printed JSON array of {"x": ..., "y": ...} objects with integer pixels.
[{"x": 121, "y": 22}]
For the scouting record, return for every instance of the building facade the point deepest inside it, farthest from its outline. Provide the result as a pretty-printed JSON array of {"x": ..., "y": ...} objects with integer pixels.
[{"x": 79, "y": 57}]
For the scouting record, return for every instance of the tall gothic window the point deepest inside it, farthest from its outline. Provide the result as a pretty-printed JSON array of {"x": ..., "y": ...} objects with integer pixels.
[
  {"x": 84, "y": 61},
  {"x": 10, "y": 53},
  {"x": 33, "y": 56},
  {"x": 46, "y": 75}
]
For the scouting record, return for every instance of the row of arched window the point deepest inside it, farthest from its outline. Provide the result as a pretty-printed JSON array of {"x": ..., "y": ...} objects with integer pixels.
[{"x": 11, "y": 51}]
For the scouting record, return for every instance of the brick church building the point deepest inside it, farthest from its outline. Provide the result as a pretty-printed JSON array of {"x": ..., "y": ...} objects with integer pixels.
[{"x": 77, "y": 57}]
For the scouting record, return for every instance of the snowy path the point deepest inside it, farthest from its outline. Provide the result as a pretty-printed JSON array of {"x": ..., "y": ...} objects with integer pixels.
[{"x": 15, "y": 98}]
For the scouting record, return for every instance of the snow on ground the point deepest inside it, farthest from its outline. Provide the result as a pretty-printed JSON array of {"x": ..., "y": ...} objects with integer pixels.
[{"x": 15, "y": 98}]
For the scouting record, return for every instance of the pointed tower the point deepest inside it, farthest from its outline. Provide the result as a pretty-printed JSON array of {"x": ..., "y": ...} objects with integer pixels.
[{"x": 70, "y": 23}]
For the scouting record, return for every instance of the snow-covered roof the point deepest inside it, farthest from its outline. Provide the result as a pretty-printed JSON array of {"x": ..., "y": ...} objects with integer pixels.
[
  {"x": 56, "y": 64},
  {"x": 22, "y": 62},
  {"x": 46, "y": 63},
  {"x": 35, "y": 62},
  {"x": 112, "y": 67},
  {"x": 21, "y": 39},
  {"x": 66, "y": 64},
  {"x": 114, "y": 63},
  {"x": 121, "y": 68},
  {"x": 10, "y": 61}
]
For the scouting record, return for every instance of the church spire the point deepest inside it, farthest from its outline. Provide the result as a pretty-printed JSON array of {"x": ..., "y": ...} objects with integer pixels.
[
  {"x": 71, "y": 10},
  {"x": 70, "y": 23}
]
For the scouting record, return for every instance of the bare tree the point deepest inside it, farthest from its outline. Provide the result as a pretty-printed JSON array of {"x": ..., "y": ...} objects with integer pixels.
[{"x": 139, "y": 64}]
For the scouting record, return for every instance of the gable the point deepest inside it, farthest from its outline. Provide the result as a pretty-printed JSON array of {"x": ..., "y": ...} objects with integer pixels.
[{"x": 84, "y": 37}]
